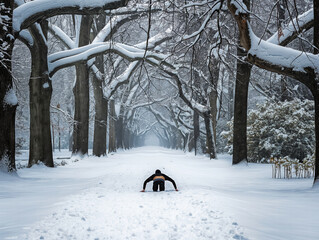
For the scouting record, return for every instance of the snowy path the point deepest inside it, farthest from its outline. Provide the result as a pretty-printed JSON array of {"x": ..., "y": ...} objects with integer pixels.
[{"x": 100, "y": 199}]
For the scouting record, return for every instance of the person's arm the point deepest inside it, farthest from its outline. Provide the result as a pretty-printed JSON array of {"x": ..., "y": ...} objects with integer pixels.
[
  {"x": 146, "y": 181},
  {"x": 171, "y": 180}
]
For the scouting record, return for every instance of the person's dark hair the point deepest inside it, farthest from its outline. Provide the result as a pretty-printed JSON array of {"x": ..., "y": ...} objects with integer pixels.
[{"x": 158, "y": 171}]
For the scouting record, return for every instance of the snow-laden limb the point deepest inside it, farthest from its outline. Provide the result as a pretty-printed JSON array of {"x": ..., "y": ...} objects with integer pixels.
[
  {"x": 112, "y": 26},
  {"x": 293, "y": 29},
  {"x": 65, "y": 39},
  {"x": 296, "y": 64},
  {"x": 83, "y": 54},
  {"x": 295, "y": 60},
  {"x": 202, "y": 27},
  {"x": 27, "y": 14},
  {"x": 241, "y": 8},
  {"x": 199, "y": 4},
  {"x": 156, "y": 40},
  {"x": 26, "y": 38},
  {"x": 122, "y": 79}
]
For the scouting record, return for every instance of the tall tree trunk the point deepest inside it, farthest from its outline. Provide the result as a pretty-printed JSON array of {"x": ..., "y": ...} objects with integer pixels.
[
  {"x": 316, "y": 92},
  {"x": 210, "y": 145},
  {"x": 284, "y": 96},
  {"x": 101, "y": 103},
  {"x": 40, "y": 97},
  {"x": 240, "y": 105},
  {"x": 213, "y": 95},
  {"x": 8, "y": 103},
  {"x": 213, "y": 112},
  {"x": 316, "y": 26},
  {"x": 190, "y": 142},
  {"x": 70, "y": 137},
  {"x": 112, "y": 136},
  {"x": 81, "y": 95},
  {"x": 119, "y": 132},
  {"x": 316, "y": 175},
  {"x": 100, "y": 122},
  {"x": 196, "y": 131},
  {"x": 230, "y": 112},
  {"x": 240, "y": 110},
  {"x": 126, "y": 138}
]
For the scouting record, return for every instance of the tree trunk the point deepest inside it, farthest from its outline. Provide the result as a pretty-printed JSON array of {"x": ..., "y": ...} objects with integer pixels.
[
  {"x": 126, "y": 138},
  {"x": 230, "y": 112},
  {"x": 284, "y": 96},
  {"x": 52, "y": 130},
  {"x": 40, "y": 97},
  {"x": 119, "y": 132},
  {"x": 240, "y": 110},
  {"x": 316, "y": 175},
  {"x": 213, "y": 95},
  {"x": 210, "y": 145},
  {"x": 81, "y": 95},
  {"x": 100, "y": 122},
  {"x": 316, "y": 92},
  {"x": 240, "y": 106},
  {"x": 8, "y": 103},
  {"x": 112, "y": 136},
  {"x": 196, "y": 131},
  {"x": 316, "y": 26},
  {"x": 101, "y": 104},
  {"x": 190, "y": 141},
  {"x": 213, "y": 112}
]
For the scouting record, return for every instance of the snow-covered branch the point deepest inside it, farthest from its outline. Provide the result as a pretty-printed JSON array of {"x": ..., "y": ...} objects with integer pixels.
[
  {"x": 197, "y": 33},
  {"x": 68, "y": 58},
  {"x": 296, "y": 64},
  {"x": 293, "y": 29},
  {"x": 29, "y": 13},
  {"x": 120, "y": 80}
]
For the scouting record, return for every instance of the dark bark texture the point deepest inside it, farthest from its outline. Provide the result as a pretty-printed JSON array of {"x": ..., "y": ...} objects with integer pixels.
[
  {"x": 81, "y": 95},
  {"x": 40, "y": 97},
  {"x": 196, "y": 131},
  {"x": 240, "y": 109},
  {"x": 112, "y": 136},
  {"x": 101, "y": 103},
  {"x": 210, "y": 146},
  {"x": 7, "y": 110},
  {"x": 316, "y": 92},
  {"x": 241, "y": 102}
]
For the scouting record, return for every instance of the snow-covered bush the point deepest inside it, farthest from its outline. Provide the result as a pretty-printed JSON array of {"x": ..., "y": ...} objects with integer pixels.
[{"x": 278, "y": 129}]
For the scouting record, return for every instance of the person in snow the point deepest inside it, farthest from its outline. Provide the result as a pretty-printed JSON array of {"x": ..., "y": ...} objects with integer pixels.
[{"x": 159, "y": 181}]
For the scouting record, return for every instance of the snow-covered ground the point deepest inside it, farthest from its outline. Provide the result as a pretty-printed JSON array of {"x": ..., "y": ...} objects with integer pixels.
[{"x": 100, "y": 198}]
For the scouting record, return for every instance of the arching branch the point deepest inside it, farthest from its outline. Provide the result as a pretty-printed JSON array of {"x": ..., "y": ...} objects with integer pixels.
[{"x": 29, "y": 13}]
